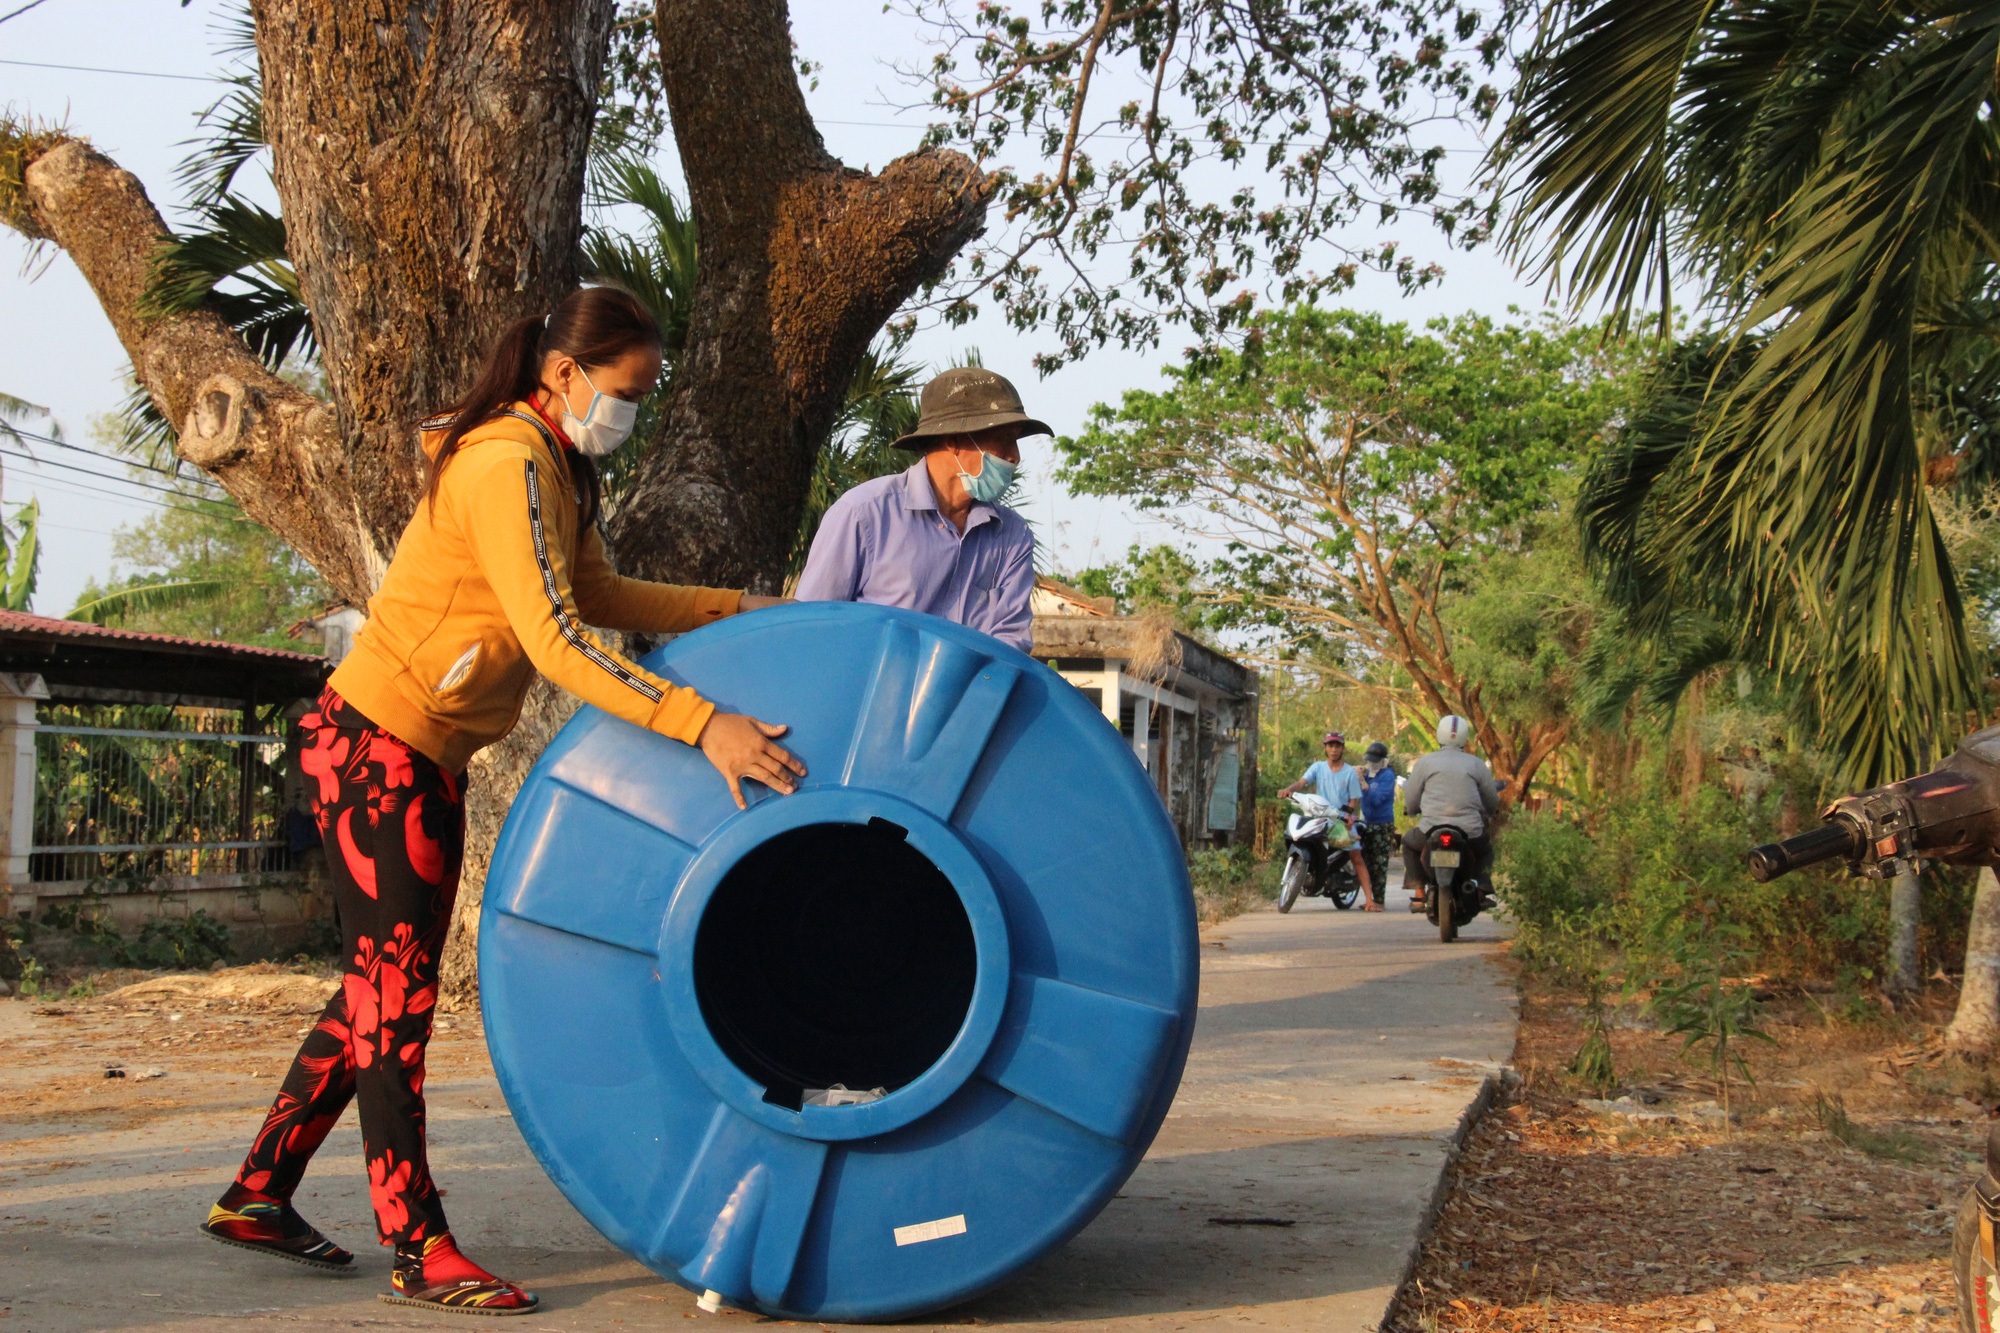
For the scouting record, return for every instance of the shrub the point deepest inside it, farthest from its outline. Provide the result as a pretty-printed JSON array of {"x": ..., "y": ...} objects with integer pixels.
[{"x": 1649, "y": 857}]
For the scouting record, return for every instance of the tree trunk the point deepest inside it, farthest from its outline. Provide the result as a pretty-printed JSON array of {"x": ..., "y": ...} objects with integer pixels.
[
  {"x": 1694, "y": 754},
  {"x": 802, "y": 261},
  {"x": 1906, "y": 899},
  {"x": 1975, "y": 1029},
  {"x": 430, "y": 160}
]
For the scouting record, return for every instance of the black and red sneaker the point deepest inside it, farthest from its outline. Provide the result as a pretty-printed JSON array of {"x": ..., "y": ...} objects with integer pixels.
[
  {"x": 272, "y": 1227},
  {"x": 432, "y": 1273}
]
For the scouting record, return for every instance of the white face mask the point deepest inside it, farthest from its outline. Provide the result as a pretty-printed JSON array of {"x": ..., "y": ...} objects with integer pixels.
[{"x": 604, "y": 425}]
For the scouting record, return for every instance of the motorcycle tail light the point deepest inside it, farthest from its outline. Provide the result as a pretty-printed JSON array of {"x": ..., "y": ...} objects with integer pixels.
[{"x": 1445, "y": 840}]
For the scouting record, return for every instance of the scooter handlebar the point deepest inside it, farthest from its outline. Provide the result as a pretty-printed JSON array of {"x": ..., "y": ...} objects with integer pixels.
[{"x": 1836, "y": 838}]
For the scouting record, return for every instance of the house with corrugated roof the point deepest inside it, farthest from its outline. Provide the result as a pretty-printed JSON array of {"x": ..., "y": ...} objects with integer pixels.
[
  {"x": 147, "y": 775},
  {"x": 1188, "y": 711}
]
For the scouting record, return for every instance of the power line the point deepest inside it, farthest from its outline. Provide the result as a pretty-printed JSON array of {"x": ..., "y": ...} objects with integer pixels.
[
  {"x": 109, "y": 458},
  {"x": 98, "y": 69},
  {"x": 818, "y": 120},
  {"x": 117, "y": 495},
  {"x": 22, "y": 10},
  {"x": 122, "y": 481},
  {"x": 64, "y": 486},
  {"x": 78, "y": 488}
]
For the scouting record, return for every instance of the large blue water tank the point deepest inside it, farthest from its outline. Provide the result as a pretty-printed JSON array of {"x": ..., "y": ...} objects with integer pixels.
[{"x": 975, "y": 903}]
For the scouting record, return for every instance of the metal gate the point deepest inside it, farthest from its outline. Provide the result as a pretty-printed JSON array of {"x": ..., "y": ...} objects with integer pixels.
[{"x": 135, "y": 793}]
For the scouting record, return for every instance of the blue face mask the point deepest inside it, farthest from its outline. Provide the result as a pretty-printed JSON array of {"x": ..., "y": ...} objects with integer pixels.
[{"x": 988, "y": 484}]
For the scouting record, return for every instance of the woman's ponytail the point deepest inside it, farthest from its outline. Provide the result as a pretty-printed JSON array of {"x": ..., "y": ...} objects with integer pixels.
[
  {"x": 596, "y": 325},
  {"x": 513, "y": 368}
]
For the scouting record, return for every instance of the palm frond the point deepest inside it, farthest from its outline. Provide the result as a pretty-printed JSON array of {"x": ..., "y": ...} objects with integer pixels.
[
  {"x": 656, "y": 264},
  {"x": 235, "y": 125},
  {"x": 15, "y": 411},
  {"x": 150, "y": 597},
  {"x": 234, "y": 122},
  {"x": 244, "y": 244},
  {"x": 1588, "y": 154}
]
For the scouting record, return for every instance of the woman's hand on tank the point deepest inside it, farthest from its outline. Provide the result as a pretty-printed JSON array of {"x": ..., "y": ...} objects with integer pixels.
[
  {"x": 752, "y": 602},
  {"x": 741, "y": 747}
]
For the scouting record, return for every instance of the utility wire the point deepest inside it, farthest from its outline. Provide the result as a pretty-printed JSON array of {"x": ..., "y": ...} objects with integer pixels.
[
  {"x": 61, "y": 483},
  {"x": 858, "y": 124},
  {"x": 109, "y": 458},
  {"x": 22, "y": 10},
  {"x": 98, "y": 69},
  {"x": 122, "y": 481}
]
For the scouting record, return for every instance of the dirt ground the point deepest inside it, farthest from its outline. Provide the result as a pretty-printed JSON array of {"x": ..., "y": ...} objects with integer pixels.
[
  {"x": 1657, "y": 1216},
  {"x": 242, "y": 1021}
]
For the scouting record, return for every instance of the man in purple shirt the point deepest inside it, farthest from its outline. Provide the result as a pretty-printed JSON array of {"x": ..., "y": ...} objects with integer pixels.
[{"x": 935, "y": 538}]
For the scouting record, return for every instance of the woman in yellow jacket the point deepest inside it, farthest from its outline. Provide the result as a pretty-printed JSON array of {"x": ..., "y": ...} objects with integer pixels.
[{"x": 494, "y": 579}]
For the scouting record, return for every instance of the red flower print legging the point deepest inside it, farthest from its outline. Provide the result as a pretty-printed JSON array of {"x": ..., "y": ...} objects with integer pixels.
[{"x": 394, "y": 828}]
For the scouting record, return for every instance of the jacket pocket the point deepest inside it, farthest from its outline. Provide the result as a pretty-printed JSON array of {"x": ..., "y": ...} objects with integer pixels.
[{"x": 459, "y": 672}]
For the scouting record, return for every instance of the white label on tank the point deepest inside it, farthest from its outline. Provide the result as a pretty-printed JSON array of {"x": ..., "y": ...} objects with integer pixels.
[{"x": 918, "y": 1232}]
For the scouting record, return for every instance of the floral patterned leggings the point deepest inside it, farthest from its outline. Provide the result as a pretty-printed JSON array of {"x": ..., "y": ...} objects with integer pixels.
[{"x": 394, "y": 829}]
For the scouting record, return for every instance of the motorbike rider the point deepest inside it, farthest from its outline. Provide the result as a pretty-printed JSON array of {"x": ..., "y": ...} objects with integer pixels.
[
  {"x": 1448, "y": 786},
  {"x": 1339, "y": 785},
  {"x": 1378, "y": 815}
]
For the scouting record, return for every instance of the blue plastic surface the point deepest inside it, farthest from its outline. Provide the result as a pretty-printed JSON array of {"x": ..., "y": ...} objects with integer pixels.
[{"x": 1077, "y": 1017}]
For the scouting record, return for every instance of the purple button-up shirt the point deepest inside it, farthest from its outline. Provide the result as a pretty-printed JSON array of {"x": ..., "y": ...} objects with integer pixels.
[{"x": 886, "y": 542}]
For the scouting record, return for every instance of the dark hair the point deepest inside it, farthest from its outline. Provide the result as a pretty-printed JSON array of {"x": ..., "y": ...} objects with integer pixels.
[{"x": 594, "y": 325}]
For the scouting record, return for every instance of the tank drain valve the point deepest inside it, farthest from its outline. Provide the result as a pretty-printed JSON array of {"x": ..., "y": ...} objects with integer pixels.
[{"x": 710, "y": 1301}]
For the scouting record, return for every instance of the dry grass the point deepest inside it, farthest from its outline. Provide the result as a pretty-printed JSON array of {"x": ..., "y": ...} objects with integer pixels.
[{"x": 1828, "y": 1204}]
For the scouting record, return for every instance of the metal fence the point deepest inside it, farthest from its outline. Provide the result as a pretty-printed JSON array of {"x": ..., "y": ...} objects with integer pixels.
[{"x": 133, "y": 793}]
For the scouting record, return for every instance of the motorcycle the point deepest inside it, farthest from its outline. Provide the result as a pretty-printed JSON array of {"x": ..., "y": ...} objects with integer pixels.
[
  {"x": 1454, "y": 886},
  {"x": 1316, "y": 864},
  {"x": 1950, "y": 814}
]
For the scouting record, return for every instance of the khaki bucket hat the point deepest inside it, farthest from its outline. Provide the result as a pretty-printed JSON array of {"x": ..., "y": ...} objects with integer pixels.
[{"x": 965, "y": 401}]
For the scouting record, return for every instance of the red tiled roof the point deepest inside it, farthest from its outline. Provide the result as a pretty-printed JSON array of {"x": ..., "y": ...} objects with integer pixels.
[{"x": 22, "y": 623}]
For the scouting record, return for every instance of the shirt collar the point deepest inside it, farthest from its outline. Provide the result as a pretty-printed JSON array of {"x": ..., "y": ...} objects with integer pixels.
[{"x": 920, "y": 495}]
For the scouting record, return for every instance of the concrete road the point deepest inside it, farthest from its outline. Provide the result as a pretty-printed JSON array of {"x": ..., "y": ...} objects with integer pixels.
[{"x": 1335, "y": 1058}]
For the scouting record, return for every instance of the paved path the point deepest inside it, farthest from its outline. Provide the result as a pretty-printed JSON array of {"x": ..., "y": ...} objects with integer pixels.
[{"x": 1335, "y": 1057}]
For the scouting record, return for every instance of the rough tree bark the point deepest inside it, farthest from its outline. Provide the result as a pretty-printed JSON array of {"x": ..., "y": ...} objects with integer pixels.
[
  {"x": 273, "y": 447},
  {"x": 1975, "y": 1029},
  {"x": 430, "y": 162}
]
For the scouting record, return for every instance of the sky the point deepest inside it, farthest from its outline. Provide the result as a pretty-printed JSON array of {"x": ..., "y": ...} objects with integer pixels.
[{"x": 57, "y": 349}]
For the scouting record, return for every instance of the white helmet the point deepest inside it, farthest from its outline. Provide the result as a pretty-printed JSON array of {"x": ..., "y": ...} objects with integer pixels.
[{"x": 1454, "y": 731}]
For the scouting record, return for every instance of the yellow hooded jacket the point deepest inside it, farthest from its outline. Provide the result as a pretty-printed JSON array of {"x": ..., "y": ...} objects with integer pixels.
[{"x": 494, "y": 582}]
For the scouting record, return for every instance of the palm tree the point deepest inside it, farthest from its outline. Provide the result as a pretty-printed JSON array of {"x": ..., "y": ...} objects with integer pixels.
[{"x": 1825, "y": 176}]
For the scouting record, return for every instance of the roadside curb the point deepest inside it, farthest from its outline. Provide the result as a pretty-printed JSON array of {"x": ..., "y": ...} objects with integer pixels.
[{"x": 1490, "y": 1089}]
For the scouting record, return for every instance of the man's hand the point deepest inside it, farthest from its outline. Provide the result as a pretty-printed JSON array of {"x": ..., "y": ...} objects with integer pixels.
[
  {"x": 752, "y": 602},
  {"x": 740, "y": 747}
]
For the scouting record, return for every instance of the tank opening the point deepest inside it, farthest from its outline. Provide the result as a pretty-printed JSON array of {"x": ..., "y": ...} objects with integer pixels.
[{"x": 834, "y": 953}]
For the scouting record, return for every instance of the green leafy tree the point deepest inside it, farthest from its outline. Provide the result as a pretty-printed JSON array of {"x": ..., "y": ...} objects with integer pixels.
[
  {"x": 1823, "y": 175},
  {"x": 1379, "y": 494}
]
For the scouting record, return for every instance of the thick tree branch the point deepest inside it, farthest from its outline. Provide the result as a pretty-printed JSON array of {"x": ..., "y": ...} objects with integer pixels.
[
  {"x": 802, "y": 262},
  {"x": 273, "y": 447}
]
